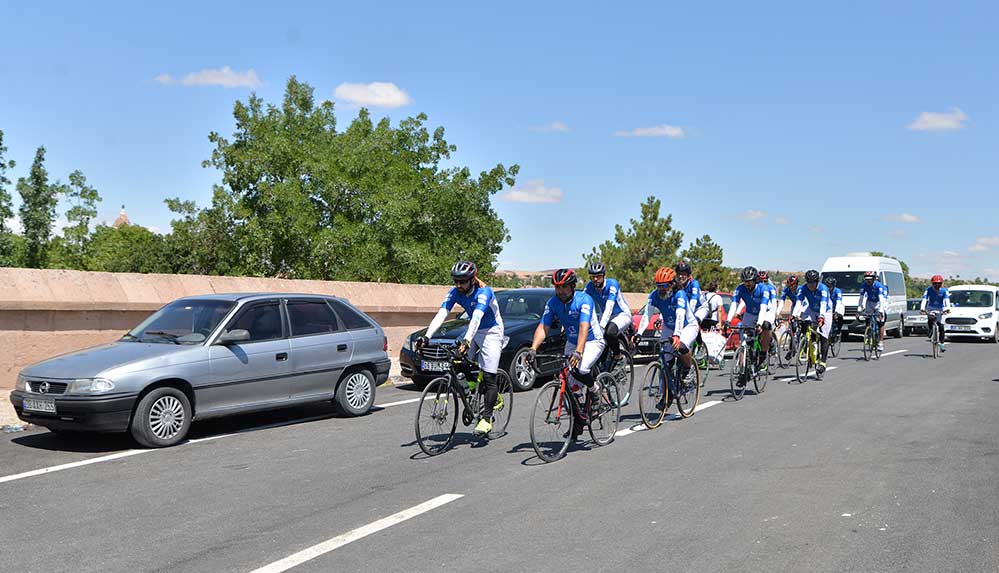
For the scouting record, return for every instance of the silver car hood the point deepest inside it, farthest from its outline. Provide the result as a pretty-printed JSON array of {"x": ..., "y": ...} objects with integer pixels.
[{"x": 94, "y": 361}]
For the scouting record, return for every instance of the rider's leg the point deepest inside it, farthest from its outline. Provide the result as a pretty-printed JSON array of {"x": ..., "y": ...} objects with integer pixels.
[
  {"x": 489, "y": 345},
  {"x": 611, "y": 337},
  {"x": 688, "y": 335}
]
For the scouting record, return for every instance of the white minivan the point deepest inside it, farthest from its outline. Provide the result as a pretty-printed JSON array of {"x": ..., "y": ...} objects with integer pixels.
[
  {"x": 849, "y": 273},
  {"x": 975, "y": 309}
]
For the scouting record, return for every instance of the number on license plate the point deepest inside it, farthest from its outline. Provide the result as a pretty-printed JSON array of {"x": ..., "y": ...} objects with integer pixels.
[
  {"x": 36, "y": 405},
  {"x": 434, "y": 366},
  {"x": 960, "y": 328}
]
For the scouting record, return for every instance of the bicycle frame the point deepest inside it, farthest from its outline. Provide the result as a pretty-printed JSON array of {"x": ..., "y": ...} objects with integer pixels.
[{"x": 462, "y": 364}]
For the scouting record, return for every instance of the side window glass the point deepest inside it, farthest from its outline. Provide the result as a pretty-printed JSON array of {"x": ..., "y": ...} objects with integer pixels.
[
  {"x": 262, "y": 321},
  {"x": 351, "y": 318},
  {"x": 311, "y": 317}
]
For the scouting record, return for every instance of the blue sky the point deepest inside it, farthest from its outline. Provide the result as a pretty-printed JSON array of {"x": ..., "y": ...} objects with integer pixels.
[{"x": 789, "y": 132}]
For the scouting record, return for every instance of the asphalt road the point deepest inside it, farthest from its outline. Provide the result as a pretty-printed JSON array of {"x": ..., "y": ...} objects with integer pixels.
[{"x": 882, "y": 466}]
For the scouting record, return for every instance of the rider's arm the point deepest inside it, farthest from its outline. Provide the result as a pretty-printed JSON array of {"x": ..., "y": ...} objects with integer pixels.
[
  {"x": 736, "y": 300},
  {"x": 585, "y": 316},
  {"x": 608, "y": 308},
  {"x": 799, "y": 305},
  {"x": 482, "y": 301},
  {"x": 442, "y": 313},
  {"x": 862, "y": 303},
  {"x": 922, "y": 303},
  {"x": 681, "y": 311},
  {"x": 946, "y": 300}
]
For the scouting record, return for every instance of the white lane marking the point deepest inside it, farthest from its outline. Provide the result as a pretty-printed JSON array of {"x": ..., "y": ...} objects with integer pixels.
[
  {"x": 401, "y": 402},
  {"x": 894, "y": 352},
  {"x": 71, "y": 465},
  {"x": 353, "y": 535},
  {"x": 642, "y": 428}
]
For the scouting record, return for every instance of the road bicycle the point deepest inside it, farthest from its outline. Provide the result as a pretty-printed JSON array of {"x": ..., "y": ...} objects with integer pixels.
[
  {"x": 787, "y": 342},
  {"x": 835, "y": 338},
  {"x": 559, "y": 414},
  {"x": 744, "y": 363},
  {"x": 665, "y": 384},
  {"x": 932, "y": 317},
  {"x": 437, "y": 413},
  {"x": 808, "y": 354},
  {"x": 622, "y": 370},
  {"x": 872, "y": 346}
]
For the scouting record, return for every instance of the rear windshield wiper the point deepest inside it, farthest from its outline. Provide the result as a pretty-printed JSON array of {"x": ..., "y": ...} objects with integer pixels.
[{"x": 169, "y": 336}]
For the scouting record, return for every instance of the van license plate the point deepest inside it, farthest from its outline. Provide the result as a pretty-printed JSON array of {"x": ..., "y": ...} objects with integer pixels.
[
  {"x": 961, "y": 328},
  {"x": 39, "y": 405}
]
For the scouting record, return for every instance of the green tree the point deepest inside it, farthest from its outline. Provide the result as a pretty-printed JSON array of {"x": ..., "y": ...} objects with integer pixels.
[
  {"x": 38, "y": 204},
  {"x": 7, "y": 258},
  {"x": 126, "y": 249},
  {"x": 301, "y": 199},
  {"x": 634, "y": 254},
  {"x": 201, "y": 241},
  {"x": 83, "y": 200},
  {"x": 705, "y": 257}
]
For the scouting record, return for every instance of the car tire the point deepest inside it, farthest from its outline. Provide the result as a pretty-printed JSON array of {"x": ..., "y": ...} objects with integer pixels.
[
  {"x": 523, "y": 377},
  {"x": 995, "y": 335},
  {"x": 162, "y": 418},
  {"x": 355, "y": 394}
]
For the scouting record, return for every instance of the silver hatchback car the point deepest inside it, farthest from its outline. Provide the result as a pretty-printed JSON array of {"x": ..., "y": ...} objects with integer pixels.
[{"x": 207, "y": 356}]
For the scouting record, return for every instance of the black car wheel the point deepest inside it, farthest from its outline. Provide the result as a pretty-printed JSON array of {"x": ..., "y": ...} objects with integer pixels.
[
  {"x": 356, "y": 393},
  {"x": 522, "y": 374},
  {"x": 162, "y": 418}
]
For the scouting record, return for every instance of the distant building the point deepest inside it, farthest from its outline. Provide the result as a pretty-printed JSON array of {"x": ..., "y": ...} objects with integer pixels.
[{"x": 122, "y": 219}]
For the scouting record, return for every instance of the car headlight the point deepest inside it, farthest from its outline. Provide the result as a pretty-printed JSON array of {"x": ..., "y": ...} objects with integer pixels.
[
  {"x": 984, "y": 316},
  {"x": 22, "y": 383},
  {"x": 90, "y": 386},
  {"x": 408, "y": 344},
  {"x": 506, "y": 340}
]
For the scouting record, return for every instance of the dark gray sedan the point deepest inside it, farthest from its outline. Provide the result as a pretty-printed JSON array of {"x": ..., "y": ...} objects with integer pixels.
[{"x": 208, "y": 356}]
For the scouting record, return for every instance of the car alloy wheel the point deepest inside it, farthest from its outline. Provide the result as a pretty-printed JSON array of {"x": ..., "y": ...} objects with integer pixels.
[
  {"x": 524, "y": 375},
  {"x": 166, "y": 417},
  {"x": 358, "y": 390}
]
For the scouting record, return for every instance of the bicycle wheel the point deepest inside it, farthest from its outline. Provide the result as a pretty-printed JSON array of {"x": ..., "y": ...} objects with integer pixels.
[
  {"x": 624, "y": 375},
  {"x": 760, "y": 380},
  {"x": 835, "y": 344},
  {"x": 868, "y": 339},
  {"x": 813, "y": 358},
  {"x": 504, "y": 405},
  {"x": 876, "y": 345},
  {"x": 551, "y": 422},
  {"x": 933, "y": 341},
  {"x": 801, "y": 362},
  {"x": 436, "y": 417},
  {"x": 700, "y": 354},
  {"x": 689, "y": 391},
  {"x": 604, "y": 415},
  {"x": 739, "y": 375},
  {"x": 652, "y": 397}
]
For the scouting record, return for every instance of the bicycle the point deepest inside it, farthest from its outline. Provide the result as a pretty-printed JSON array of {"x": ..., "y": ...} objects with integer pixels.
[
  {"x": 931, "y": 320},
  {"x": 835, "y": 338},
  {"x": 663, "y": 385},
  {"x": 557, "y": 413},
  {"x": 744, "y": 363},
  {"x": 808, "y": 354},
  {"x": 872, "y": 346},
  {"x": 787, "y": 343},
  {"x": 623, "y": 371},
  {"x": 440, "y": 402}
]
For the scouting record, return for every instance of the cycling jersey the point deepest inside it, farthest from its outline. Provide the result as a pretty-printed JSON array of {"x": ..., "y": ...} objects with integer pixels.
[
  {"x": 695, "y": 297},
  {"x": 871, "y": 293},
  {"x": 836, "y": 300},
  {"x": 773, "y": 296},
  {"x": 482, "y": 301},
  {"x": 789, "y": 294},
  {"x": 935, "y": 299},
  {"x": 608, "y": 300},
  {"x": 757, "y": 301},
  {"x": 571, "y": 314},
  {"x": 814, "y": 302},
  {"x": 674, "y": 309}
]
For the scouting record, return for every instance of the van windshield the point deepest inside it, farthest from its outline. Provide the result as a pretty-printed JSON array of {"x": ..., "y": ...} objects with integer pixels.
[
  {"x": 847, "y": 281},
  {"x": 971, "y": 298}
]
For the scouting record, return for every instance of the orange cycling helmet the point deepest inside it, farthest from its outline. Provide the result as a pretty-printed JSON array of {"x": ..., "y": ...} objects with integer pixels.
[{"x": 665, "y": 275}]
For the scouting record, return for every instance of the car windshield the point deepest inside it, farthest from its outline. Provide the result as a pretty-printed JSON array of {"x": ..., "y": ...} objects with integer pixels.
[
  {"x": 847, "y": 281},
  {"x": 521, "y": 306},
  {"x": 913, "y": 304},
  {"x": 181, "y": 322},
  {"x": 972, "y": 298}
]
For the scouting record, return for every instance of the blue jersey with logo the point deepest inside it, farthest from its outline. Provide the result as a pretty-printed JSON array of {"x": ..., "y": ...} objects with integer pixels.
[
  {"x": 935, "y": 299},
  {"x": 675, "y": 309},
  {"x": 481, "y": 298},
  {"x": 875, "y": 291},
  {"x": 835, "y": 297},
  {"x": 789, "y": 294},
  {"x": 756, "y": 300},
  {"x": 814, "y": 302},
  {"x": 570, "y": 314},
  {"x": 609, "y": 294}
]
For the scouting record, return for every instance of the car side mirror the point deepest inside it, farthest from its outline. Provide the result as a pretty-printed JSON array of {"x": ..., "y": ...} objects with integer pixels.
[{"x": 233, "y": 336}]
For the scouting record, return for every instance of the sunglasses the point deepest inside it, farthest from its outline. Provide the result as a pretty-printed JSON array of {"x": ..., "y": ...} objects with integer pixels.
[
  {"x": 663, "y": 285},
  {"x": 462, "y": 283}
]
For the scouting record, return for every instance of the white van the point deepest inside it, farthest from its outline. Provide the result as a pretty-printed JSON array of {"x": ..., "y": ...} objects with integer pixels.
[
  {"x": 975, "y": 309},
  {"x": 849, "y": 273}
]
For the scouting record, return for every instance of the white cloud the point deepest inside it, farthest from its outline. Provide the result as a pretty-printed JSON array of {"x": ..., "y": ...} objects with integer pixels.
[
  {"x": 14, "y": 224},
  {"x": 555, "y": 126},
  {"x": 939, "y": 121},
  {"x": 946, "y": 263},
  {"x": 903, "y": 218},
  {"x": 664, "y": 130},
  {"x": 984, "y": 244},
  {"x": 782, "y": 221},
  {"x": 155, "y": 229},
  {"x": 534, "y": 191},
  {"x": 375, "y": 94},
  {"x": 753, "y": 215},
  {"x": 225, "y": 77}
]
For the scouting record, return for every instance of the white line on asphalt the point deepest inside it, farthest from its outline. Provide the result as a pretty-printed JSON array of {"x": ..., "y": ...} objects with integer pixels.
[
  {"x": 641, "y": 427},
  {"x": 894, "y": 352},
  {"x": 401, "y": 402},
  {"x": 353, "y": 535},
  {"x": 51, "y": 469}
]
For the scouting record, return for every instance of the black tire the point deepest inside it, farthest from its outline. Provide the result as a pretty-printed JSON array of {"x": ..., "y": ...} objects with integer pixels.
[
  {"x": 552, "y": 422},
  {"x": 760, "y": 380},
  {"x": 438, "y": 410},
  {"x": 901, "y": 325},
  {"x": 355, "y": 394},
  {"x": 604, "y": 419},
  {"x": 836, "y": 345},
  {"x": 652, "y": 397},
  {"x": 162, "y": 418},
  {"x": 522, "y": 374},
  {"x": 801, "y": 363},
  {"x": 739, "y": 373},
  {"x": 624, "y": 375},
  {"x": 504, "y": 408},
  {"x": 689, "y": 392},
  {"x": 867, "y": 350}
]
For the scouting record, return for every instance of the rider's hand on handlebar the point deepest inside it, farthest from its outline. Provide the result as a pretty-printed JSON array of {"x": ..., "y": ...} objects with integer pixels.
[
  {"x": 676, "y": 342},
  {"x": 822, "y": 321},
  {"x": 463, "y": 347},
  {"x": 530, "y": 356},
  {"x": 575, "y": 359}
]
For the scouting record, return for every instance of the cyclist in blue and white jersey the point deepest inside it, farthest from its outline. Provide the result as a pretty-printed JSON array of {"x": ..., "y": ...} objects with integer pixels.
[
  {"x": 789, "y": 295},
  {"x": 936, "y": 300},
  {"x": 577, "y": 317},
  {"x": 753, "y": 298},
  {"x": 679, "y": 326},
  {"x": 836, "y": 303},
  {"x": 696, "y": 299},
  {"x": 611, "y": 308},
  {"x": 764, "y": 278},
  {"x": 874, "y": 301},
  {"x": 484, "y": 332},
  {"x": 813, "y": 305}
]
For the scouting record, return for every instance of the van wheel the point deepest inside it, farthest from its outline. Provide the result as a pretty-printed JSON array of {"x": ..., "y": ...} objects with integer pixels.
[
  {"x": 995, "y": 335},
  {"x": 901, "y": 325},
  {"x": 356, "y": 393},
  {"x": 162, "y": 418}
]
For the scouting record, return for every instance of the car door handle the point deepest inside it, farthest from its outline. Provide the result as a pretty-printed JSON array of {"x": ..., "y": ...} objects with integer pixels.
[
  {"x": 281, "y": 356},
  {"x": 341, "y": 348}
]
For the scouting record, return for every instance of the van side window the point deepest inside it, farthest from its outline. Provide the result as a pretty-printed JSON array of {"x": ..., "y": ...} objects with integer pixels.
[{"x": 896, "y": 283}]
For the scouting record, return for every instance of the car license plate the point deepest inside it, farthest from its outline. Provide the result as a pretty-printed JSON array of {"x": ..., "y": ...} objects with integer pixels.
[
  {"x": 433, "y": 366},
  {"x": 961, "y": 328},
  {"x": 39, "y": 405}
]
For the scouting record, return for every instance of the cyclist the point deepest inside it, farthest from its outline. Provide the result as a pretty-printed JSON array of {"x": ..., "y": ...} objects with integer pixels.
[
  {"x": 692, "y": 288},
  {"x": 484, "y": 332},
  {"x": 813, "y": 305},
  {"x": 789, "y": 295},
  {"x": 754, "y": 299},
  {"x": 612, "y": 309},
  {"x": 836, "y": 303},
  {"x": 873, "y": 299},
  {"x": 765, "y": 280},
  {"x": 584, "y": 337},
  {"x": 936, "y": 299},
  {"x": 679, "y": 323}
]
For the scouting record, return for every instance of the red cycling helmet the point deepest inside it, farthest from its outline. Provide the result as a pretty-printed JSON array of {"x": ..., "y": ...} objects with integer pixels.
[
  {"x": 564, "y": 277},
  {"x": 870, "y": 275},
  {"x": 937, "y": 280},
  {"x": 764, "y": 276}
]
